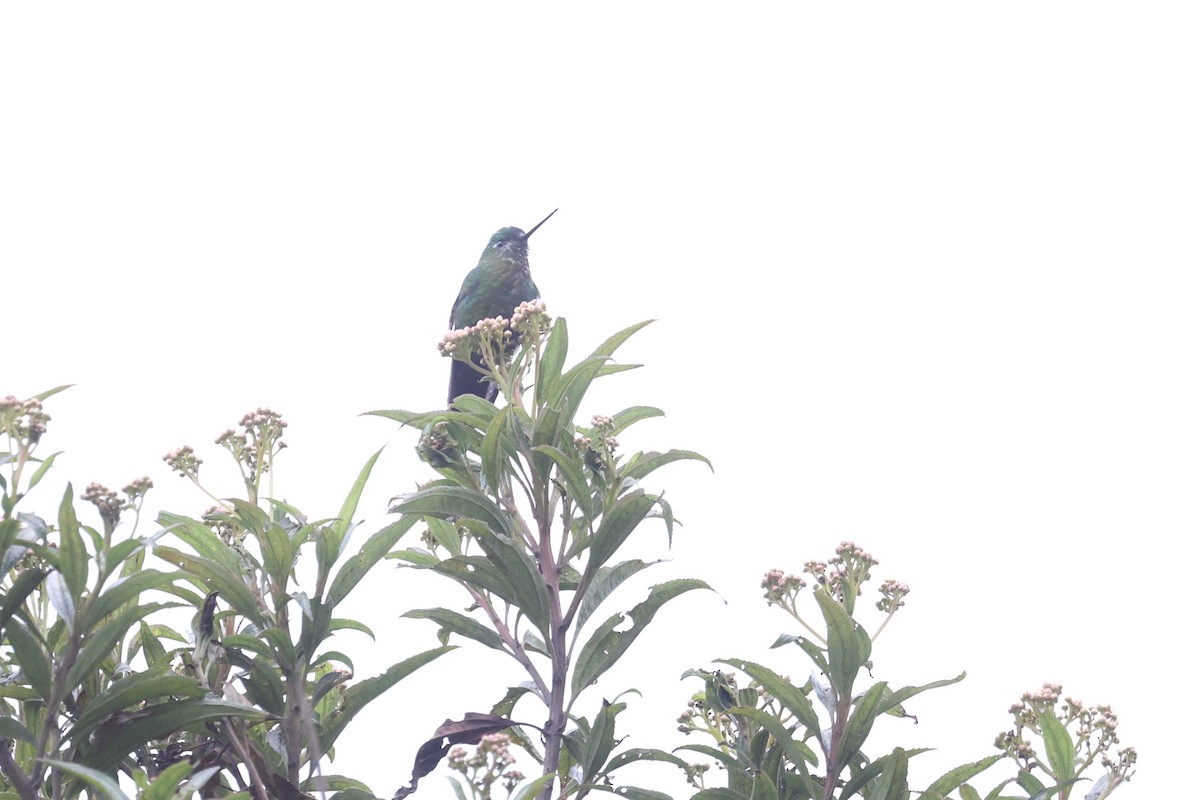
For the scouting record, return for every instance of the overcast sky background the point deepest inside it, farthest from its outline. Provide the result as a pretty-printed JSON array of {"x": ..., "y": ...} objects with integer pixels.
[{"x": 924, "y": 276}]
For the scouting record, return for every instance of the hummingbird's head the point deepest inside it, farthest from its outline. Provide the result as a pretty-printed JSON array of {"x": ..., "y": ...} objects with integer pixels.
[
  {"x": 512, "y": 242},
  {"x": 509, "y": 242}
]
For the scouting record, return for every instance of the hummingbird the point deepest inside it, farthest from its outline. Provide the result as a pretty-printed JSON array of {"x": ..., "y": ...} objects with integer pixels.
[{"x": 499, "y": 283}]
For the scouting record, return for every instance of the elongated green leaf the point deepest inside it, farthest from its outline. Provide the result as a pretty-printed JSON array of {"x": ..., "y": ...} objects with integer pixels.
[
  {"x": 601, "y": 739},
  {"x": 1060, "y": 749},
  {"x": 967, "y": 792},
  {"x": 799, "y": 753},
  {"x": 203, "y": 541},
  {"x": 363, "y": 692},
  {"x": 571, "y": 472},
  {"x": 126, "y": 590},
  {"x": 897, "y": 697},
  {"x": 616, "y": 526},
  {"x": 51, "y": 392},
  {"x": 554, "y": 355},
  {"x": 729, "y": 762},
  {"x": 22, "y": 585},
  {"x": 862, "y": 719},
  {"x": 520, "y": 573},
  {"x": 532, "y": 789},
  {"x": 639, "y": 468},
  {"x": 848, "y": 651},
  {"x": 155, "y": 654},
  {"x": 166, "y": 785},
  {"x": 133, "y": 691},
  {"x": 792, "y": 698},
  {"x": 494, "y": 453},
  {"x": 445, "y": 534},
  {"x": 372, "y": 551},
  {"x": 893, "y": 782},
  {"x": 642, "y": 754},
  {"x": 278, "y": 554},
  {"x": 956, "y": 777},
  {"x": 30, "y": 655},
  {"x": 73, "y": 558},
  {"x": 460, "y": 624},
  {"x": 605, "y": 583},
  {"x": 629, "y": 416},
  {"x": 607, "y": 644},
  {"x": 455, "y": 501},
  {"x": 719, "y": 793},
  {"x": 216, "y": 579},
  {"x": 345, "y": 517},
  {"x": 117, "y": 738},
  {"x": 630, "y": 792},
  {"x": 11, "y": 728},
  {"x": 43, "y": 468},
  {"x": 100, "y": 643},
  {"x": 102, "y": 783},
  {"x": 341, "y": 624},
  {"x": 410, "y": 418}
]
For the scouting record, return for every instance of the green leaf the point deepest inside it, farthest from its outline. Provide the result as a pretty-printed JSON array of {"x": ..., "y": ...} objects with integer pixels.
[
  {"x": 126, "y": 590},
  {"x": 572, "y": 472},
  {"x": 792, "y": 698},
  {"x": 520, "y": 574},
  {"x": 848, "y": 650},
  {"x": 42, "y": 469},
  {"x": 1060, "y": 750},
  {"x": 719, "y": 793},
  {"x": 862, "y": 719},
  {"x": 459, "y": 623},
  {"x": 644, "y": 464},
  {"x": 956, "y": 777},
  {"x": 455, "y": 501},
  {"x": 554, "y": 355},
  {"x": 103, "y": 784},
  {"x": 630, "y": 792},
  {"x": 494, "y": 453},
  {"x": 73, "y": 558},
  {"x": 966, "y": 792},
  {"x": 893, "y": 783},
  {"x": 410, "y": 418},
  {"x": 796, "y": 750},
  {"x": 117, "y": 738},
  {"x": 606, "y": 581},
  {"x": 629, "y": 416},
  {"x": 34, "y": 663},
  {"x": 51, "y": 392},
  {"x": 616, "y": 526},
  {"x": 22, "y": 585},
  {"x": 341, "y": 624},
  {"x": 729, "y": 762},
  {"x": 642, "y": 754},
  {"x": 11, "y": 728},
  {"x": 350, "y": 504},
  {"x": 445, "y": 534},
  {"x": 601, "y": 739},
  {"x": 532, "y": 789},
  {"x": 278, "y": 554},
  {"x": 897, "y": 697},
  {"x": 133, "y": 691},
  {"x": 215, "y": 578},
  {"x": 607, "y": 644},
  {"x": 363, "y": 692},
  {"x": 100, "y": 642},
  {"x": 372, "y": 551}
]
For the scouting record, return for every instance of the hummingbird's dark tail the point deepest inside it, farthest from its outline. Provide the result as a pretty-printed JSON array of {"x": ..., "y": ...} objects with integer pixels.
[{"x": 465, "y": 380}]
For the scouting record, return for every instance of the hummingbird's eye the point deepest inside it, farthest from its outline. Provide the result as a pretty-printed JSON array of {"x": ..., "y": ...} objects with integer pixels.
[{"x": 499, "y": 244}]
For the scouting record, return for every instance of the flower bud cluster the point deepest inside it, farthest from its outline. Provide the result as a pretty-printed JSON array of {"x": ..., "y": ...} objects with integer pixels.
[
  {"x": 437, "y": 446},
  {"x": 893, "y": 593},
  {"x": 597, "y": 445},
  {"x": 492, "y": 761},
  {"x": 780, "y": 589},
  {"x": 260, "y": 440},
  {"x": 23, "y": 420},
  {"x": 530, "y": 319},
  {"x": 1094, "y": 734},
  {"x": 184, "y": 461}
]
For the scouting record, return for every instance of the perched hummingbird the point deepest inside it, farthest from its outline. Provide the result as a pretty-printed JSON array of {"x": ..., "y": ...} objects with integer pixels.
[{"x": 498, "y": 284}]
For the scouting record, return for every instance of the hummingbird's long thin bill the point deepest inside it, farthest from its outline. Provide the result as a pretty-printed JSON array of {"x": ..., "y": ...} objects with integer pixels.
[{"x": 540, "y": 224}]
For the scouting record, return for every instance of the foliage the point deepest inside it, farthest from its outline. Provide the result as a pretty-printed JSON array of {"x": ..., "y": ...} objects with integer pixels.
[
  {"x": 530, "y": 516},
  {"x": 104, "y": 693}
]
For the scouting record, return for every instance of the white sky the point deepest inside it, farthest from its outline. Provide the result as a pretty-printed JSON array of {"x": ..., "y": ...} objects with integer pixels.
[{"x": 924, "y": 275}]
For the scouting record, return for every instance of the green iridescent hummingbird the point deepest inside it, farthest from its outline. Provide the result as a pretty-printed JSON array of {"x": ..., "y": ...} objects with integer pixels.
[{"x": 498, "y": 284}]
